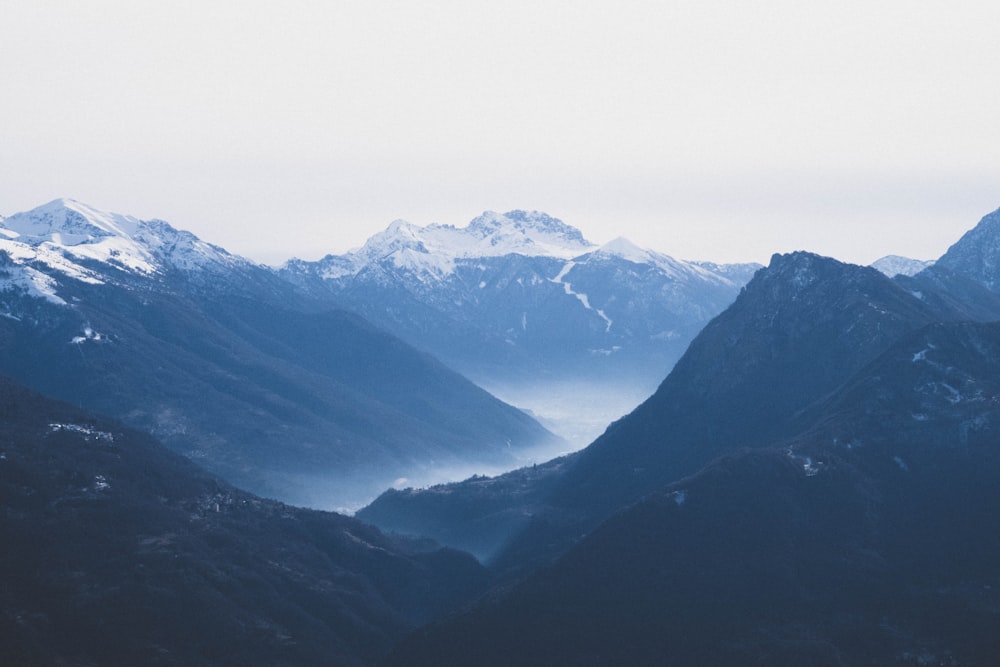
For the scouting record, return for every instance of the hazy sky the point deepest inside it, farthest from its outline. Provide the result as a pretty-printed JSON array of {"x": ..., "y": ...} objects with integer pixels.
[{"x": 703, "y": 129}]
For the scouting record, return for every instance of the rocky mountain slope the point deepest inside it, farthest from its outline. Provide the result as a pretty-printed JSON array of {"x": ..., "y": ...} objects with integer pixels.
[{"x": 977, "y": 254}]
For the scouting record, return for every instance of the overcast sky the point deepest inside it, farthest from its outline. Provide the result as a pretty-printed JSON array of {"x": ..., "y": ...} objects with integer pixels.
[{"x": 704, "y": 129}]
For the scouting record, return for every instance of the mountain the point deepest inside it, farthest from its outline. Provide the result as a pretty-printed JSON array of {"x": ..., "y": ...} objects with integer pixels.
[
  {"x": 895, "y": 265},
  {"x": 524, "y": 305},
  {"x": 68, "y": 227},
  {"x": 977, "y": 254},
  {"x": 117, "y": 551},
  {"x": 871, "y": 537},
  {"x": 226, "y": 363},
  {"x": 796, "y": 332}
]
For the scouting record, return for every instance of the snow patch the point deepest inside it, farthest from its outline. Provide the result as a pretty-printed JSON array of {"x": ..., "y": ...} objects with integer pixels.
[
  {"x": 679, "y": 497},
  {"x": 954, "y": 396},
  {"x": 87, "y": 432},
  {"x": 582, "y": 298},
  {"x": 357, "y": 540},
  {"x": 922, "y": 354},
  {"x": 809, "y": 467},
  {"x": 88, "y": 334}
]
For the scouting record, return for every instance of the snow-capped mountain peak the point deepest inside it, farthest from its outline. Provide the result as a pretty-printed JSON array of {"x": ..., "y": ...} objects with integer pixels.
[
  {"x": 432, "y": 251},
  {"x": 68, "y": 222},
  {"x": 69, "y": 239},
  {"x": 530, "y": 233},
  {"x": 895, "y": 265},
  {"x": 68, "y": 236},
  {"x": 623, "y": 248}
]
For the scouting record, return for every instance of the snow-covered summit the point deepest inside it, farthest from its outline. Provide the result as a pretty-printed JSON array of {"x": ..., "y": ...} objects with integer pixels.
[
  {"x": 530, "y": 231},
  {"x": 69, "y": 239},
  {"x": 77, "y": 231},
  {"x": 622, "y": 248},
  {"x": 490, "y": 235},
  {"x": 434, "y": 249},
  {"x": 895, "y": 265},
  {"x": 68, "y": 222}
]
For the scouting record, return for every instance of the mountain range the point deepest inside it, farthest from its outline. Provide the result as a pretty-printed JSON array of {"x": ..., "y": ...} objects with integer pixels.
[
  {"x": 229, "y": 365},
  {"x": 813, "y": 482}
]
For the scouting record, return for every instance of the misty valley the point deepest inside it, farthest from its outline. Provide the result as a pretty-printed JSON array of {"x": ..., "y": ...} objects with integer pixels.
[{"x": 498, "y": 444}]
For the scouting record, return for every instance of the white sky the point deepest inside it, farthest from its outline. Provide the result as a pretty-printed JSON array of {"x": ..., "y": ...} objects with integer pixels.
[{"x": 703, "y": 129}]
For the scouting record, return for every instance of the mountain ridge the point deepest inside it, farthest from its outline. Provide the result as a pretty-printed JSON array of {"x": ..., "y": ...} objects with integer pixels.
[{"x": 977, "y": 254}]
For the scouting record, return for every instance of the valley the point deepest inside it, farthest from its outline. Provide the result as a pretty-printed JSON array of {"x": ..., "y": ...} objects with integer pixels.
[{"x": 556, "y": 453}]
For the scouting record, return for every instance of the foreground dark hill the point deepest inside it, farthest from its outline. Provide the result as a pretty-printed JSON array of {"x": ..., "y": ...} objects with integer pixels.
[
  {"x": 225, "y": 363},
  {"x": 797, "y": 331},
  {"x": 116, "y": 551},
  {"x": 870, "y": 539}
]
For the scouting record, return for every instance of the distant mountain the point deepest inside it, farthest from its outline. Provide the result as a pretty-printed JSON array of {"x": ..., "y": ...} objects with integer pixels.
[
  {"x": 895, "y": 265},
  {"x": 524, "y": 305},
  {"x": 229, "y": 365},
  {"x": 869, "y": 538},
  {"x": 119, "y": 552}
]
